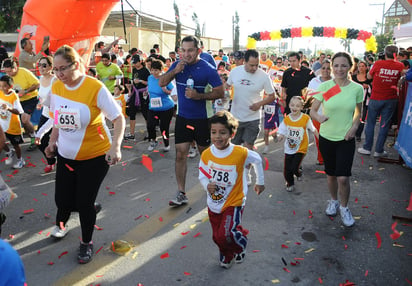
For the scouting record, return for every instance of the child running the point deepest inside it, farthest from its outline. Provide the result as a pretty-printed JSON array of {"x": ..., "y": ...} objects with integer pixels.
[
  {"x": 294, "y": 129},
  {"x": 222, "y": 174},
  {"x": 10, "y": 109},
  {"x": 271, "y": 122}
]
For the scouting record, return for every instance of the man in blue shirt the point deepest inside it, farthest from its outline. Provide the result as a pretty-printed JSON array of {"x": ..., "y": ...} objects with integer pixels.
[{"x": 198, "y": 84}]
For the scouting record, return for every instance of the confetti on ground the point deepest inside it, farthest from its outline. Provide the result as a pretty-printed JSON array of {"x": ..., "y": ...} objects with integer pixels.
[
  {"x": 409, "y": 208},
  {"x": 136, "y": 218},
  {"x": 320, "y": 280},
  {"x": 409, "y": 282},
  {"x": 395, "y": 234},
  {"x": 284, "y": 261},
  {"x": 183, "y": 247},
  {"x": 366, "y": 273},
  {"x": 164, "y": 255},
  {"x": 254, "y": 251},
  {"x": 147, "y": 162},
  {"x": 160, "y": 219},
  {"x": 68, "y": 167},
  {"x": 184, "y": 233},
  {"x": 63, "y": 253},
  {"x": 187, "y": 273},
  {"x": 28, "y": 211},
  {"x": 356, "y": 200},
  {"x": 309, "y": 250},
  {"x": 146, "y": 216},
  {"x": 197, "y": 234},
  {"x": 378, "y": 238},
  {"x": 98, "y": 227},
  {"x": 147, "y": 199},
  {"x": 127, "y": 147},
  {"x": 266, "y": 164},
  {"x": 287, "y": 270},
  {"x": 101, "y": 247},
  {"x": 285, "y": 246},
  {"x": 50, "y": 263},
  {"x": 320, "y": 172},
  {"x": 44, "y": 194},
  {"x": 112, "y": 193},
  {"x": 398, "y": 245},
  {"x": 34, "y": 199}
]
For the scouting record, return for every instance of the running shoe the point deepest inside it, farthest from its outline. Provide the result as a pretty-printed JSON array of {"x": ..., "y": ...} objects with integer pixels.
[
  {"x": 85, "y": 253},
  {"x": 57, "y": 232},
  {"x": 346, "y": 216},
  {"x": 265, "y": 149},
  {"x": 19, "y": 164},
  {"x": 363, "y": 151},
  {"x": 166, "y": 149},
  {"x": 152, "y": 145},
  {"x": 97, "y": 207},
  {"x": 179, "y": 200},
  {"x": 239, "y": 257},
  {"x": 332, "y": 208},
  {"x": 10, "y": 156},
  {"x": 290, "y": 188},
  {"x": 128, "y": 136},
  {"x": 192, "y": 152},
  {"x": 224, "y": 263},
  {"x": 382, "y": 154}
]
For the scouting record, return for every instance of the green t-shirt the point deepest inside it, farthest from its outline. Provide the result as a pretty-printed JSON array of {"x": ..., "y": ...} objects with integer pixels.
[
  {"x": 339, "y": 108},
  {"x": 105, "y": 71}
]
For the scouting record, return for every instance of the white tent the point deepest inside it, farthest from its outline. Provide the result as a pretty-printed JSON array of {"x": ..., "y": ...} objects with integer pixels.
[{"x": 403, "y": 35}]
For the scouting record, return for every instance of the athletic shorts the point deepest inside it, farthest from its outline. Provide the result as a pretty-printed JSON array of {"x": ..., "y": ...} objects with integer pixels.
[
  {"x": 337, "y": 156},
  {"x": 271, "y": 121},
  {"x": 187, "y": 130},
  {"x": 247, "y": 132},
  {"x": 15, "y": 139},
  {"x": 29, "y": 106}
]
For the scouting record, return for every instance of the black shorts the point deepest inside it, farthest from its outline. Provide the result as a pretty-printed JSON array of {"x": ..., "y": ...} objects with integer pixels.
[
  {"x": 187, "y": 130},
  {"x": 15, "y": 139},
  {"x": 29, "y": 106},
  {"x": 131, "y": 111},
  {"x": 337, "y": 156}
]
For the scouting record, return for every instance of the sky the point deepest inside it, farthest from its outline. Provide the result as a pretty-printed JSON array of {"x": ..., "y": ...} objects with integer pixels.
[{"x": 268, "y": 15}]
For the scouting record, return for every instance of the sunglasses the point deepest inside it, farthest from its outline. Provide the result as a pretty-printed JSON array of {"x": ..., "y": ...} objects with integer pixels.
[{"x": 43, "y": 65}]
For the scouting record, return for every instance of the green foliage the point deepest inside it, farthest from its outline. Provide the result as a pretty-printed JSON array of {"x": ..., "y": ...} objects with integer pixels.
[
  {"x": 384, "y": 40},
  {"x": 178, "y": 26},
  {"x": 195, "y": 19},
  {"x": 11, "y": 12}
]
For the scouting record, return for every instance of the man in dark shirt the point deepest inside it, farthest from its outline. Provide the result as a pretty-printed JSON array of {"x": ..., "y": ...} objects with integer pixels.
[{"x": 295, "y": 79}]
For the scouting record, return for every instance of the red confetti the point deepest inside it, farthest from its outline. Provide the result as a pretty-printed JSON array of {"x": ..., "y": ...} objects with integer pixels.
[
  {"x": 184, "y": 246},
  {"x": 147, "y": 200},
  {"x": 356, "y": 200},
  {"x": 68, "y": 167},
  {"x": 99, "y": 130},
  {"x": 11, "y": 236},
  {"x": 395, "y": 234},
  {"x": 146, "y": 216},
  {"x": 160, "y": 219},
  {"x": 346, "y": 246},
  {"x": 107, "y": 188},
  {"x": 378, "y": 237},
  {"x": 197, "y": 234},
  {"x": 294, "y": 213},
  {"x": 320, "y": 280},
  {"x": 112, "y": 193},
  {"x": 50, "y": 263},
  {"x": 320, "y": 172},
  {"x": 165, "y": 255},
  {"x": 147, "y": 162},
  {"x": 127, "y": 147},
  {"x": 98, "y": 227},
  {"x": 138, "y": 217},
  {"x": 266, "y": 164},
  {"x": 112, "y": 245},
  {"x": 365, "y": 207},
  {"x": 207, "y": 175},
  {"x": 307, "y": 17},
  {"x": 254, "y": 251},
  {"x": 187, "y": 273},
  {"x": 298, "y": 258},
  {"x": 44, "y": 194},
  {"x": 366, "y": 273},
  {"x": 184, "y": 233},
  {"x": 40, "y": 232},
  {"x": 343, "y": 238},
  {"x": 331, "y": 92},
  {"x": 409, "y": 208},
  {"x": 162, "y": 155},
  {"x": 28, "y": 211},
  {"x": 62, "y": 254},
  {"x": 190, "y": 127},
  {"x": 34, "y": 199},
  {"x": 409, "y": 282},
  {"x": 362, "y": 160},
  {"x": 287, "y": 270},
  {"x": 285, "y": 246},
  {"x": 99, "y": 249}
]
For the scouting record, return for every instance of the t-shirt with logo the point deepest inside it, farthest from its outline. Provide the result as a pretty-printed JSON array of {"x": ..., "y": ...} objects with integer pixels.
[
  {"x": 386, "y": 74},
  {"x": 10, "y": 122},
  {"x": 296, "y": 134}
]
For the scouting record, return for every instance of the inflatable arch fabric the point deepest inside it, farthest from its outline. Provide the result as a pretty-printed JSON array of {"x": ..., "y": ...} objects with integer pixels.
[{"x": 328, "y": 32}]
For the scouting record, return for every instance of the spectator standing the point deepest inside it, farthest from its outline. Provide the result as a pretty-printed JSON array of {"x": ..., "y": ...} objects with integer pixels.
[{"x": 108, "y": 72}]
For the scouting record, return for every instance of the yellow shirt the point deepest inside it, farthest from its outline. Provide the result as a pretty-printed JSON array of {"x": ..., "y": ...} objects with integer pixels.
[
  {"x": 23, "y": 80},
  {"x": 10, "y": 122},
  {"x": 265, "y": 65}
]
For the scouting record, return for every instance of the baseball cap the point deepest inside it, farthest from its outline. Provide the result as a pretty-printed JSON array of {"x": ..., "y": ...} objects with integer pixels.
[
  {"x": 238, "y": 55},
  {"x": 136, "y": 59}
]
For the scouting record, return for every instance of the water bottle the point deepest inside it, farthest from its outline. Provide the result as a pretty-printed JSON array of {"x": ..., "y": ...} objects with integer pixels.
[{"x": 190, "y": 83}]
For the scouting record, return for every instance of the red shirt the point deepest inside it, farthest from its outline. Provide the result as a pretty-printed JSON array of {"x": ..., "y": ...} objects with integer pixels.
[{"x": 386, "y": 74}]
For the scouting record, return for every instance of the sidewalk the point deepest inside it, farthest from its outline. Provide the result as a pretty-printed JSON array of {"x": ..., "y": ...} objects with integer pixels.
[{"x": 173, "y": 246}]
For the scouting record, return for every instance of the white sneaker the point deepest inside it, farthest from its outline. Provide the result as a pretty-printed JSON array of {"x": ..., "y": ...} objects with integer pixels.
[
  {"x": 290, "y": 188},
  {"x": 19, "y": 164},
  {"x": 364, "y": 151},
  {"x": 166, "y": 149},
  {"x": 346, "y": 216},
  {"x": 192, "y": 152},
  {"x": 377, "y": 155},
  {"x": 332, "y": 208},
  {"x": 10, "y": 156},
  {"x": 265, "y": 149},
  {"x": 152, "y": 145},
  {"x": 57, "y": 232},
  {"x": 249, "y": 179}
]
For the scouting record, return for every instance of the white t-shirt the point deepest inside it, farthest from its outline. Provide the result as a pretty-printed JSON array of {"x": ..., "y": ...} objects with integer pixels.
[{"x": 247, "y": 90}]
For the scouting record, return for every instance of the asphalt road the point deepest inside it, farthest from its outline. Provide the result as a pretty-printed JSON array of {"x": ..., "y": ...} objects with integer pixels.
[{"x": 291, "y": 240}]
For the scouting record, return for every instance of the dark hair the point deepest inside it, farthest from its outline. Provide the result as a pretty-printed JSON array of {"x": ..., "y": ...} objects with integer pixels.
[
  {"x": 391, "y": 51},
  {"x": 48, "y": 59},
  {"x": 113, "y": 57},
  {"x": 23, "y": 42},
  {"x": 99, "y": 44},
  {"x": 304, "y": 62},
  {"x": 225, "y": 118},
  {"x": 406, "y": 64},
  {"x": 157, "y": 64},
  {"x": 224, "y": 76},
  {"x": 9, "y": 63},
  {"x": 106, "y": 56},
  {"x": 7, "y": 79},
  {"x": 93, "y": 71},
  {"x": 251, "y": 53},
  {"x": 129, "y": 56},
  {"x": 191, "y": 39},
  {"x": 294, "y": 54},
  {"x": 121, "y": 87},
  {"x": 222, "y": 63},
  {"x": 71, "y": 56},
  {"x": 152, "y": 51},
  {"x": 155, "y": 46},
  {"x": 345, "y": 55}
]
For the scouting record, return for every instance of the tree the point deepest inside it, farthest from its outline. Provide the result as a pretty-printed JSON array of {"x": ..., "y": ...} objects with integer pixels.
[
  {"x": 10, "y": 15},
  {"x": 178, "y": 27},
  {"x": 236, "y": 31},
  {"x": 195, "y": 19},
  {"x": 346, "y": 44},
  {"x": 386, "y": 38}
]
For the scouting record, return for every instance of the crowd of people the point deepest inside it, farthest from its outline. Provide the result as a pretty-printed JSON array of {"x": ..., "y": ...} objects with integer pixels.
[{"x": 220, "y": 104}]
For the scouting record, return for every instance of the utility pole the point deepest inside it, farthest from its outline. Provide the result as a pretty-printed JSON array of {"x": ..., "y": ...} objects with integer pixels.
[{"x": 383, "y": 13}]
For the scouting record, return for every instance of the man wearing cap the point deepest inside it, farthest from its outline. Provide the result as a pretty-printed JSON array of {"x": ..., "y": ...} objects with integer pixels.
[
  {"x": 27, "y": 58},
  {"x": 198, "y": 84},
  {"x": 108, "y": 72},
  {"x": 238, "y": 58}
]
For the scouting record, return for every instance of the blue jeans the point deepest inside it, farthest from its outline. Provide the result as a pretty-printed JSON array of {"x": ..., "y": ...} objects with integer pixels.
[{"x": 384, "y": 108}]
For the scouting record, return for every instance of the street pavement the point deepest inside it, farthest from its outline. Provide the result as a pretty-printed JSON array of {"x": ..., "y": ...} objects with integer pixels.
[{"x": 291, "y": 240}]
